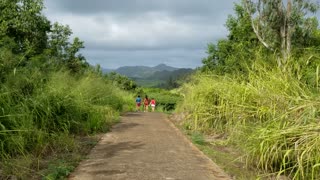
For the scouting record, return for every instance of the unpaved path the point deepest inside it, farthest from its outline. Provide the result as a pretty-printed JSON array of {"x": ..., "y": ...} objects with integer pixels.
[{"x": 146, "y": 146}]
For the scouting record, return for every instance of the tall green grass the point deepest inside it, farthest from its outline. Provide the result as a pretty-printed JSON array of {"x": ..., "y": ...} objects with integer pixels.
[
  {"x": 270, "y": 115},
  {"x": 40, "y": 113}
]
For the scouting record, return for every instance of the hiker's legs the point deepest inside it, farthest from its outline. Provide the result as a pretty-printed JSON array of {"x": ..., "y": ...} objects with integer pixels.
[{"x": 138, "y": 106}]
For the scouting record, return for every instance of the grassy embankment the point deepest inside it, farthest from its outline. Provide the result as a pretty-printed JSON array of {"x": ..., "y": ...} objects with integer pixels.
[
  {"x": 269, "y": 118},
  {"x": 49, "y": 122}
]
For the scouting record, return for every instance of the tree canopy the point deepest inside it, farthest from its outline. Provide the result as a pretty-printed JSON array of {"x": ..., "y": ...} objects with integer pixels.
[
  {"x": 27, "y": 34},
  {"x": 284, "y": 29}
]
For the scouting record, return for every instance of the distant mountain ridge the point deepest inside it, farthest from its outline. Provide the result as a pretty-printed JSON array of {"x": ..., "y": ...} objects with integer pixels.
[
  {"x": 164, "y": 67},
  {"x": 151, "y": 76},
  {"x": 141, "y": 71}
]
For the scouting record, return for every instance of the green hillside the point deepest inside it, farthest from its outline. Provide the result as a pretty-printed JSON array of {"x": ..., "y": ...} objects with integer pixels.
[
  {"x": 158, "y": 76},
  {"x": 143, "y": 71}
]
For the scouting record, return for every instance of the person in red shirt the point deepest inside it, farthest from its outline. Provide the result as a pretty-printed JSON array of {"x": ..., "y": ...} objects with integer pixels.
[
  {"x": 146, "y": 103},
  {"x": 153, "y": 104}
]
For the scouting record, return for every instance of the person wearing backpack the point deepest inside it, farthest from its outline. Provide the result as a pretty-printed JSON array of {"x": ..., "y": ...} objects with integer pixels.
[
  {"x": 153, "y": 104},
  {"x": 138, "y": 103},
  {"x": 146, "y": 103}
]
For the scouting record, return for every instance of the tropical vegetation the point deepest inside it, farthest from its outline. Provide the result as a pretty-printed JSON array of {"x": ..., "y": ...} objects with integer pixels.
[
  {"x": 259, "y": 88},
  {"x": 50, "y": 96}
]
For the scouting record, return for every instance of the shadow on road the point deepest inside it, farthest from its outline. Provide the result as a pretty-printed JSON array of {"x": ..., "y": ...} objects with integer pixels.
[
  {"x": 124, "y": 126},
  {"x": 133, "y": 114},
  {"x": 110, "y": 150}
]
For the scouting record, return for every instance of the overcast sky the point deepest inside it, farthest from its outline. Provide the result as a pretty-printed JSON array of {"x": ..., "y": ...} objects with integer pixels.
[{"x": 143, "y": 32}]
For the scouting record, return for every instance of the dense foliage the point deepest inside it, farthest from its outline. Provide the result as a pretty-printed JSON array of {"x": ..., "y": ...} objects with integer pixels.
[
  {"x": 264, "y": 102},
  {"x": 48, "y": 92}
]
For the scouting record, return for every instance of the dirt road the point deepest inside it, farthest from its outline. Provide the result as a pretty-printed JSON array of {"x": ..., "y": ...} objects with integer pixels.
[{"x": 146, "y": 146}]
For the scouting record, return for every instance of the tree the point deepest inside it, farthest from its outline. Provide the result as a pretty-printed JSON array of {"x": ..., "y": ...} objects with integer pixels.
[
  {"x": 66, "y": 53},
  {"x": 23, "y": 34},
  {"x": 235, "y": 52},
  {"x": 22, "y": 21},
  {"x": 59, "y": 40},
  {"x": 121, "y": 81},
  {"x": 276, "y": 22}
]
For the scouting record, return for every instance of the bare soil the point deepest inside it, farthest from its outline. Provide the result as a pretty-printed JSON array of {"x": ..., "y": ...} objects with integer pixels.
[{"x": 146, "y": 146}]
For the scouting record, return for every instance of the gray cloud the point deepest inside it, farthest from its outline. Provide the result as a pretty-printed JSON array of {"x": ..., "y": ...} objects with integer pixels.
[
  {"x": 175, "y": 57},
  {"x": 143, "y": 32},
  {"x": 174, "y": 7}
]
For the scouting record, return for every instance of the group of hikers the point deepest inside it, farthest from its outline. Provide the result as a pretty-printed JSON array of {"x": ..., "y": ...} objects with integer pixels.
[{"x": 146, "y": 103}]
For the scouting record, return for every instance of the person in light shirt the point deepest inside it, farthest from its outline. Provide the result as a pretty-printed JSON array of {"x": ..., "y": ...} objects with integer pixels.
[{"x": 153, "y": 104}]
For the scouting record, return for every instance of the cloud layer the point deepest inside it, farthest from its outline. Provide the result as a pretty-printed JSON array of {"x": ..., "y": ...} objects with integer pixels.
[{"x": 143, "y": 32}]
